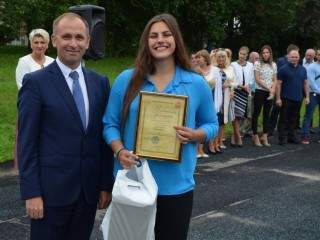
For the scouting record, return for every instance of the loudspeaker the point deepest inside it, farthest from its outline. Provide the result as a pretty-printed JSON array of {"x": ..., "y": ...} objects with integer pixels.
[{"x": 95, "y": 16}]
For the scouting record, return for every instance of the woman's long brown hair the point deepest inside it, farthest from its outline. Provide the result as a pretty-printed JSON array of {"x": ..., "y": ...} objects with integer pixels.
[{"x": 144, "y": 63}]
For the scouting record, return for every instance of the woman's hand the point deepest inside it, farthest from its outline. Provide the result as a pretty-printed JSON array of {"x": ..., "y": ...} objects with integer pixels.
[
  {"x": 231, "y": 94},
  {"x": 226, "y": 85},
  {"x": 247, "y": 88},
  {"x": 185, "y": 135},
  {"x": 126, "y": 159}
]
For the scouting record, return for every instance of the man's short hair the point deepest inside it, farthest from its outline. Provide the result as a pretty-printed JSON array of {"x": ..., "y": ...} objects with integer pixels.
[{"x": 292, "y": 47}]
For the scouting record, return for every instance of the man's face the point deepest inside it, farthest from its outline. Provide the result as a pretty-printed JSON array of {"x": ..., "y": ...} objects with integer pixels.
[
  {"x": 309, "y": 56},
  {"x": 254, "y": 57},
  {"x": 71, "y": 40},
  {"x": 293, "y": 57}
]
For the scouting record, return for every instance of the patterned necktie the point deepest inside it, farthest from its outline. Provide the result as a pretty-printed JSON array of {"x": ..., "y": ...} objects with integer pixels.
[{"x": 78, "y": 96}]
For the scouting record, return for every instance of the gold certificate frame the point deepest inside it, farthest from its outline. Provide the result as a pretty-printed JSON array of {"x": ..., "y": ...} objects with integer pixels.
[{"x": 156, "y": 137}]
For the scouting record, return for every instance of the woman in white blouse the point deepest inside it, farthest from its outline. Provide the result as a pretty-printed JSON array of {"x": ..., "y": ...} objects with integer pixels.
[
  {"x": 244, "y": 74},
  {"x": 39, "y": 42},
  {"x": 265, "y": 72},
  {"x": 221, "y": 59}
]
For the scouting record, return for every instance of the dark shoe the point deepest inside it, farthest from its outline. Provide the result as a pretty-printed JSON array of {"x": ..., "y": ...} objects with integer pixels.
[
  {"x": 293, "y": 141},
  {"x": 282, "y": 142},
  {"x": 233, "y": 145},
  {"x": 312, "y": 131},
  {"x": 270, "y": 133},
  {"x": 218, "y": 152},
  {"x": 211, "y": 152},
  {"x": 239, "y": 145}
]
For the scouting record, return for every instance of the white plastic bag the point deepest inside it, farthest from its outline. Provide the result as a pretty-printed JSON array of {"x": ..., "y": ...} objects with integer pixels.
[
  {"x": 135, "y": 187},
  {"x": 132, "y": 212}
]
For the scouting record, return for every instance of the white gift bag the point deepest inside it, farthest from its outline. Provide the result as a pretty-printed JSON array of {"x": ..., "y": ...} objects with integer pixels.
[{"x": 132, "y": 212}]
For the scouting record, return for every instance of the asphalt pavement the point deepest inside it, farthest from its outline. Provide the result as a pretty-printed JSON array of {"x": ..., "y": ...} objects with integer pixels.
[{"x": 245, "y": 193}]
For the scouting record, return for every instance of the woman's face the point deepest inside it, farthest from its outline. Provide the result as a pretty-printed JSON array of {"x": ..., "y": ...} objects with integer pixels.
[
  {"x": 201, "y": 61},
  {"x": 243, "y": 54},
  {"x": 194, "y": 60},
  {"x": 266, "y": 54},
  {"x": 38, "y": 45},
  {"x": 221, "y": 60},
  {"x": 161, "y": 42}
]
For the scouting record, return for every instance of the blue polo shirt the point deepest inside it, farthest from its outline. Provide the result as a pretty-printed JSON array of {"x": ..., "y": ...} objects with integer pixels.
[{"x": 292, "y": 81}]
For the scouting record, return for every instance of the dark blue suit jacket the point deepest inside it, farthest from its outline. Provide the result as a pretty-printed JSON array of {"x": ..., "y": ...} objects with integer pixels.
[{"x": 57, "y": 157}]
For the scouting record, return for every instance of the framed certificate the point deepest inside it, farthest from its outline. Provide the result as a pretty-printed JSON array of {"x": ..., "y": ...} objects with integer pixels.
[{"x": 156, "y": 137}]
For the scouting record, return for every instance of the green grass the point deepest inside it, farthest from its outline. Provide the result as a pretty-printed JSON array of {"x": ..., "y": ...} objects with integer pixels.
[{"x": 110, "y": 66}]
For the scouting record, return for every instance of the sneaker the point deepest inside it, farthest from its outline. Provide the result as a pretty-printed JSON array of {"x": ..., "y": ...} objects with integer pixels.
[{"x": 305, "y": 141}]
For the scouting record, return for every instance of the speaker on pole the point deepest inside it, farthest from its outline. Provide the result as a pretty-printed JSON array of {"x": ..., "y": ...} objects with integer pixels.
[{"x": 95, "y": 16}]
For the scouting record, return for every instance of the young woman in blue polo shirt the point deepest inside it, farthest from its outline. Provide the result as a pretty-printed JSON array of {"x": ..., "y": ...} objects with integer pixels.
[{"x": 163, "y": 66}]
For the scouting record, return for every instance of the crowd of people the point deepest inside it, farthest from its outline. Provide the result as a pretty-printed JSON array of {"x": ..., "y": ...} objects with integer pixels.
[
  {"x": 254, "y": 82},
  {"x": 75, "y": 132}
]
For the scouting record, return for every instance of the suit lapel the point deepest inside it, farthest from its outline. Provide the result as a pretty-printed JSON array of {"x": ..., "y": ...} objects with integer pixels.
[{"x": 60, "y": 82}]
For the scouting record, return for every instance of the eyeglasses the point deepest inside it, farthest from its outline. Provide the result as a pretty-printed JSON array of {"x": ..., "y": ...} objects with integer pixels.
[{"x": 220, "y": 49}]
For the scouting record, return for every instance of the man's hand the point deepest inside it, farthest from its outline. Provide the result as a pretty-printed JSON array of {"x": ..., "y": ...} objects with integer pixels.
[
  {"x": 104, "y": 199},
  {"x": 279, "y": 103},
  {"x": 34, "y": 207},
  {"x": 307, "y": 101}
]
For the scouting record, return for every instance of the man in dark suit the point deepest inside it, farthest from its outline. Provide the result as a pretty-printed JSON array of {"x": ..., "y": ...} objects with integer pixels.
[{"x": 65, "y": 166}]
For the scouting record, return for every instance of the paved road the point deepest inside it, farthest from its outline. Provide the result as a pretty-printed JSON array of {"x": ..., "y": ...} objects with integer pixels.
[{"x": 244, "y": 193}]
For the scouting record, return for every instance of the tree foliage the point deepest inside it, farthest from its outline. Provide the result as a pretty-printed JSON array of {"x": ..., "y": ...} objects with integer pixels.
[
  {"x": 204, "y": 23},
  {"x": 21, "y": 16},
  {"x": 308, "y": 24}
]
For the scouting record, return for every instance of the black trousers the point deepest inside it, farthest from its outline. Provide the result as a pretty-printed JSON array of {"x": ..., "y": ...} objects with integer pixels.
[
  {"x": 259, "y": 101},
  {"x": 72, "y": 222},
  {"x": 289, "y": 115},
  {"x": 173, "y": 216}
]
